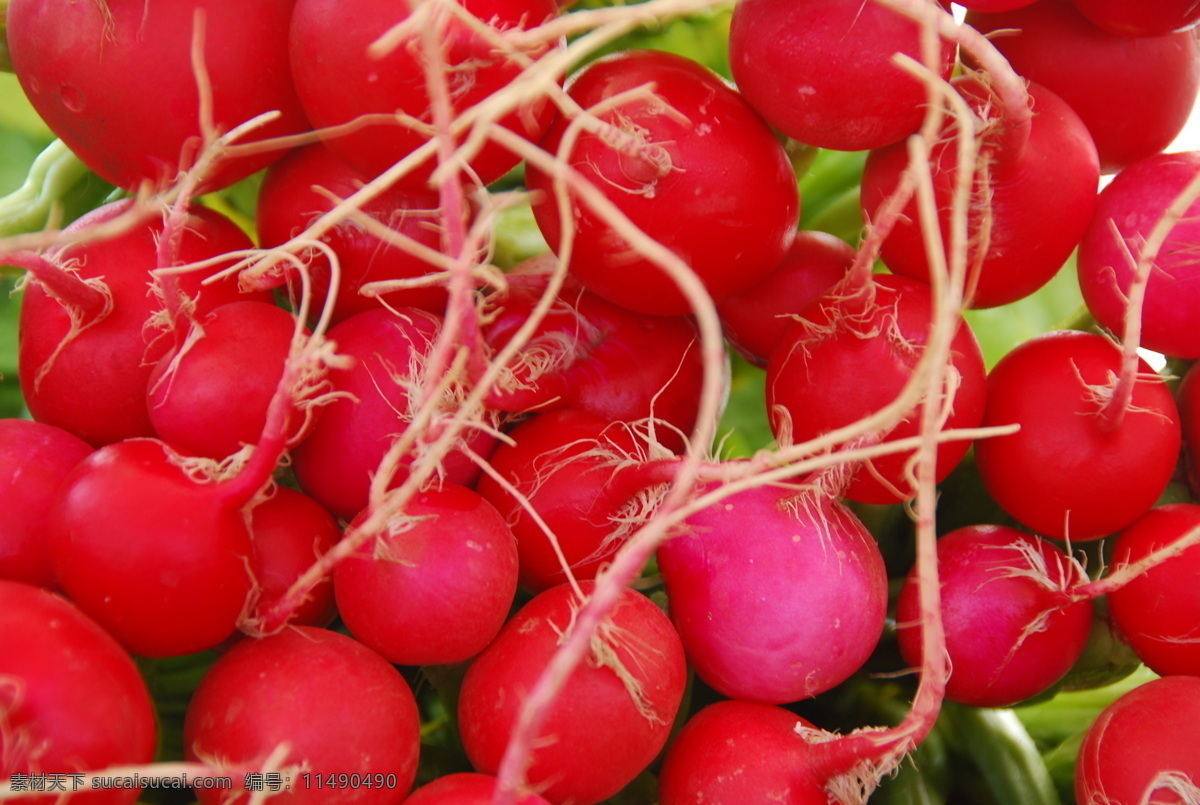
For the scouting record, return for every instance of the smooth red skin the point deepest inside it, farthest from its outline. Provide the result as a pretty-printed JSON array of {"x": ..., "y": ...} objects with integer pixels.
[
  {"x": 593, "y": 740},
  {"x": 340, "y": 708},
  {"x": 338, "y": 80},
  {"x": 463, "y": 788},
  {"x": 1156, "y": 613},
  {"x": 1133, "y": 94},
  {"x": 115, "y": 81},
  {"x": 728, "y": 205},
  {"x": 830, "y": 50},
  {"x": 352, "y": 434},
  {"x": 96, "y": 387},
  {"x": 34, "y": 460},
  {"x": 987, "y": 610},
  {"x": 1064, "y": 474},
  {"x": 756, "y": 319},
  {"x": 288, "y": 203},
  {"x": 1134, "y": 203},
  {"x": 73, "y": 697},
  {"x": 289, "y": 532},
  {"x": 157, "y": 559},
  {"x": 436, "y": 590},
  {"x": 830, "y": 380},
  {"x": 576, "y": 497},
  {"x": 1040, "y": 202},
  {"x": 214, "y": 400},
  {"x": 1147, "y": 732},
  {"x": 782, "y": 617},
  {"x": 1131, "y": 18},
  {"x": 740, "y": 753},
  {"x": 1187, "y": 398},
  {"x": 992, "y": 6}
]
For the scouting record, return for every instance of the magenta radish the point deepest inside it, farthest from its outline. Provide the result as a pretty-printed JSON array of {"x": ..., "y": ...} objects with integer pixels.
[
  {"x": 613, "y": 714},
  {"x": 341, "y": 78},
  {"x": 34, "y": 460},
  {"x": 435, "y": 585},
  {"x": 1013, "y": 628},
  {"x": 850, "y": 356},
  {"x": 316, "y": 703},
  {"x": 786, "y": 615},
  {"x": 830, "y": 51},
  {"x": 130, "y": 65},
  {"x": 1032, "y": 203},
  {"x": 71, "y": 700},
  {"x": 1128, "y": 18},
  {"x": 693, "y": 167},
  {"x": 463, "y": 788},
  {"x": 307, "y": 184},
  {"x": 1142, "y": 748},
  {"x": 1128, "y": 212},
  {"x": 1076, "y": 468}
]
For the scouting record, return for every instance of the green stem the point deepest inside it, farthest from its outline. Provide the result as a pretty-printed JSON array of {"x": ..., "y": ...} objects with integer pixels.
[{"x": 52, "y": 175}]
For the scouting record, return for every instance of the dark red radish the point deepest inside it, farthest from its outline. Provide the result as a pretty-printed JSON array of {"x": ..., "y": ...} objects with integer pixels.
[
  {"x": 778, "y": 594},
  {"x": 1013, "y": 629},
  {"x": 1073, "y": 470},
  {"x": 1133, "y": 94},
  {"x": 589, "y": 480},
  {"x": 1032, "y": 197},
  {"x": 72, "y": 699},
  {"x": 1156, "y": 612},
  {"x": 850, "y": 356},
  {"x": 340, "y": 77},
  {"x": 831, "y": 51},
  {"x": 435, "y": 585},
  {"x": 1143, "y": 747},
  {"x": 756, "y": 319},
  {"x": 89, "y": 377},
  {"x": 693, "y": 167},
  {"x": 116, "y": 81},
  {"x": 324, "y": 705},
  {"x": 209, "y": 395},
  {"x": 289, "y": 532},
  {"x": 1131, "y": 18},
  {"x": 613, "y": 714},
  {"x": 34, "y": 460},
  {"x": 307, "y": 184},
  {"x": 1128, "y": 212},
  {"x": 464, "y": 788}
]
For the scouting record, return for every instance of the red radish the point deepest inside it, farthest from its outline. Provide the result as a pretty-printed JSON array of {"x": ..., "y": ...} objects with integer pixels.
[
  {"x": 1012, "y": 627},
  {"x": 850, "y": 356},
  {"x": 315, "y": 702},
  {"x": 1142, "y": 748},
  {"x": 305, "y": 185},
  {"x": 340, "y": 77},
  {"x": 992, "y": 6},
  {"x": 116, "y": 81},
  {"x": 1128, "y": 211},
  {"x": 89, "y": 377},
  {"x": 756, "y": 319},
  {"x": 463, "y": 788},
  {"x": 1073, "y": 470},
  {"x": 842, "y": 90},
  {"x": 783, "y": 616},
  {"x": 71, "y": 700},
  {"x": 1133, "y": 94},
  {"x": 1032, "y": 203},
  {"x": 1187, "y": 397},
  {"x": 435, "y": 586},
  {"x": 693, "y": 167},
  {"x": 34, "y": 460},
  {"x": 1131, "y": 18},
  {"x": 613, "y": 714}
]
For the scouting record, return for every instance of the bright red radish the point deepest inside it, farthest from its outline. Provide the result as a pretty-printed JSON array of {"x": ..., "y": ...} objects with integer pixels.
[
  {"x": 71, "y": 700},
  {"x": 693, "y": 167},
  {"x": 1012, "y": 626},
  {"x": 463, "y": 788},
  {"x": 34, "y": 460},
  {"x": 323, "y": 704},
  {"x": 1076, "y": 469},
  {"x": 1131, "y": 18},
  {"x": 1187, "y": 397},
  {"x": 785, "y": 615},
  {"x": 613, "y": 714}
]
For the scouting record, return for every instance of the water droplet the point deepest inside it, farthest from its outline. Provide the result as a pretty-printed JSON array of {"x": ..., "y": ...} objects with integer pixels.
[
  {"x": 72, "y": 98},
  {"x": 35, "y": 86}
]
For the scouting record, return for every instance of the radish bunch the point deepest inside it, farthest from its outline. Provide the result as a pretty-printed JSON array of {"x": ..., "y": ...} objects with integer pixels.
[{"x": 484, "y": 401}]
